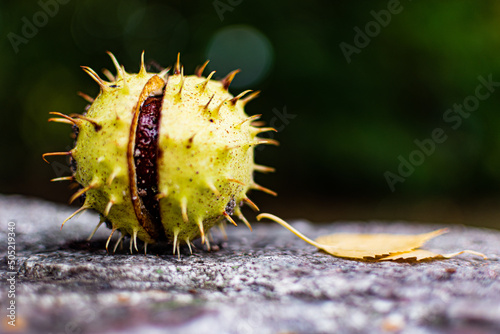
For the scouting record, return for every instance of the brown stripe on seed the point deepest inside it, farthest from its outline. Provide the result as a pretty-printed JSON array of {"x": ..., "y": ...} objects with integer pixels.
[{"x": 142, "y": 157}]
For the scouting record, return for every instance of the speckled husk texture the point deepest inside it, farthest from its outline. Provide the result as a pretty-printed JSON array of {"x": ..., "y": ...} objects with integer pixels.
[{"x": 204, "y": 158}]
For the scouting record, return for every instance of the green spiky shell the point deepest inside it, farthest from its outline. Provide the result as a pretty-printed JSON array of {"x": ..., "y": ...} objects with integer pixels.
[{"x": 205, "y": 153}]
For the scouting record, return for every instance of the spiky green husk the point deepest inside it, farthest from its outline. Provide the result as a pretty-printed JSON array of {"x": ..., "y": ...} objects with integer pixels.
[{"x": 205, "y": 153}]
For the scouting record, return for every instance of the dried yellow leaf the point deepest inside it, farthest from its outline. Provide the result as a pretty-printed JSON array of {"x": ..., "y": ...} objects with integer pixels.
[
  {"x": 422, "y": 254},
  {"x": 372, "y": 246},
  {"x": 377, "y": 247}
]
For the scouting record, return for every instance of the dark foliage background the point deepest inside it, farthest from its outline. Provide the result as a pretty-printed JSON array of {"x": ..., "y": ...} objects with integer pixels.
[{"x": 351, "y": 119}]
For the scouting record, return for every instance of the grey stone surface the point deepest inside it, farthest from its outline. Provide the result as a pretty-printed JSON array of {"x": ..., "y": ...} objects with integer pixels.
[{"x": 265, "y": 281}]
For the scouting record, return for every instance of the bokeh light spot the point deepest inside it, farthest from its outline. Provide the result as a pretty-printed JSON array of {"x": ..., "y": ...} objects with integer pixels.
[{"x": 242, "y": 47}]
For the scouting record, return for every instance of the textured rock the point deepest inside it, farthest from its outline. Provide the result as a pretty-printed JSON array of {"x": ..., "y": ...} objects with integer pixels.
[{"x": 265, "y": 281}]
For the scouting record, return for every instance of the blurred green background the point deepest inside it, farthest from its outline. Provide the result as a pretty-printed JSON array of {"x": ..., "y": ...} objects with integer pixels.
[{"x": 344, "y": 121}]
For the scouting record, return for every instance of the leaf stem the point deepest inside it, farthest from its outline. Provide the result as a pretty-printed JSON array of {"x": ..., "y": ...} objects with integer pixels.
[{"x": 288, "y": 227}]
